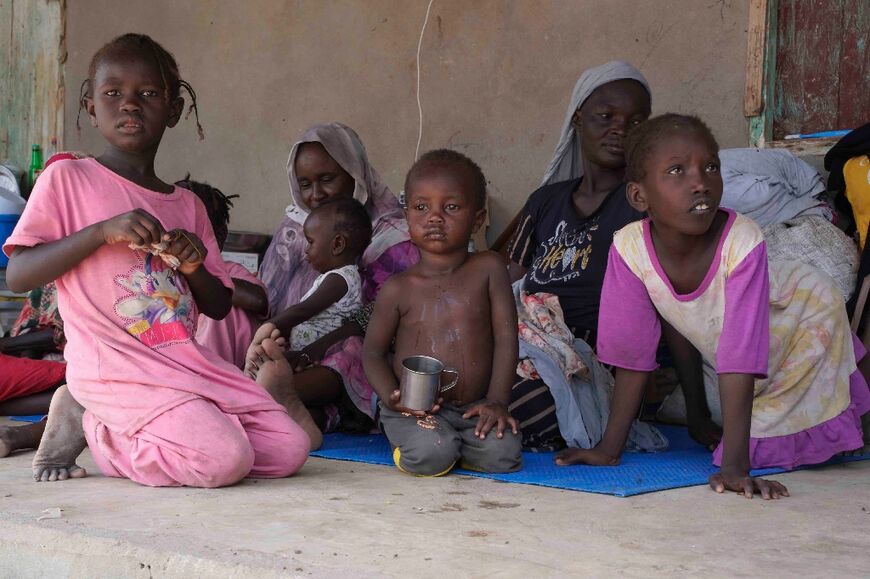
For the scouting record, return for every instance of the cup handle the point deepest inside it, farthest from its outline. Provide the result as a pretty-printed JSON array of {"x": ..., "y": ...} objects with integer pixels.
[{"x": 455, "y": 380}]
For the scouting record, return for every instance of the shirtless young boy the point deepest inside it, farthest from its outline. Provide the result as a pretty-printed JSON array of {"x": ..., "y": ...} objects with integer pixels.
[{"x": 454, "y": 306}]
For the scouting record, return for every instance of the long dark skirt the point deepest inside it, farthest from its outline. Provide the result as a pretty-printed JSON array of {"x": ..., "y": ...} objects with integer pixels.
[{"x": 534, "y": 408}]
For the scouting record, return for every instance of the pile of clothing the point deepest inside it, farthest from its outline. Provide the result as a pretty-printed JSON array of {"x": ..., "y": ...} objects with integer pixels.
[{"x": 787, "y": 198}]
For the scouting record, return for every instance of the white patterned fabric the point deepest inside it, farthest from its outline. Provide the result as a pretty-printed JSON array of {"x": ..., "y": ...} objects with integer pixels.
[{"x": 332, "y": 317}]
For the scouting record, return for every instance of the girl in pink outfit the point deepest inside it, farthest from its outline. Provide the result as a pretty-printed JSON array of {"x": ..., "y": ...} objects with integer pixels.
[{"x": 136, "y": 262}]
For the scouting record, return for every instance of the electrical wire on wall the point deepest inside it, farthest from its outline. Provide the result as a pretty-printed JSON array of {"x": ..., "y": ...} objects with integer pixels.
[{"x": 419, "y": 104}]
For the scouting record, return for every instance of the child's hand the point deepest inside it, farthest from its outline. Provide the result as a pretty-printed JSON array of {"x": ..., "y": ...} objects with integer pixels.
[
  {"x": 491, "y": 414},
  {"x": 299, "y": 360},
  {"x": 394, "y": 404},
  {"x": 314, "y": 352},
  {"x": 255, "y": 355},
  {"x": 307, "y": 357},
  {"x": 137, "y": 227},
  {"x": 591, "y": 457},
  {"x": 742, "y": 483},
  {"x": 187, "y": 247}
]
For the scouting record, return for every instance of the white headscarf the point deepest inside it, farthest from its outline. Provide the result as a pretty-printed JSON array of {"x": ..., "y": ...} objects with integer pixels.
[{"x": 566, "y": 163}]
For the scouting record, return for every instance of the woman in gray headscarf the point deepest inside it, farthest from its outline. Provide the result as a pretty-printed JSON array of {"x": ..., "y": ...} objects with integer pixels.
[{"x": 565, "y": 230}]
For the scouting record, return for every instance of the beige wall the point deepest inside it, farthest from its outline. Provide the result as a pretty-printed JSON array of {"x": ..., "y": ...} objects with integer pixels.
[{"x": 496, "y": 78}]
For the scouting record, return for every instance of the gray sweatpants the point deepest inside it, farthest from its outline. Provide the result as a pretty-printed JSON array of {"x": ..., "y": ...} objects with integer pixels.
[{"x": 432, "y": 446}]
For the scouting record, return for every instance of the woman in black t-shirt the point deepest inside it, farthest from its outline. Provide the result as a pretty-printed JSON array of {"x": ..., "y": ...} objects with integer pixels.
[{"x": 565, "y": 230}]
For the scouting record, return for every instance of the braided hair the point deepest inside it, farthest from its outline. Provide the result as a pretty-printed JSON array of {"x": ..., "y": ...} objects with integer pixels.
[
  {"x": 217, "y": 205},
  {"x": 143, "y": 46}
]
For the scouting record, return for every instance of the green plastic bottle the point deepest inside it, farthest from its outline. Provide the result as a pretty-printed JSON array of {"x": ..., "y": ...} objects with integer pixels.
[{"x": 35, "y": 163}]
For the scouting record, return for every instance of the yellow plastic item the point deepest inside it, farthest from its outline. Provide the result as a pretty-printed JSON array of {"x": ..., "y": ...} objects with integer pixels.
[{"x": 856, "y": 173}]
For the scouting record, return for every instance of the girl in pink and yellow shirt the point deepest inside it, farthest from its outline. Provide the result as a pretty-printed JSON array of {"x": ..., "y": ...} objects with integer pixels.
[{"x": 777, "y": 334}]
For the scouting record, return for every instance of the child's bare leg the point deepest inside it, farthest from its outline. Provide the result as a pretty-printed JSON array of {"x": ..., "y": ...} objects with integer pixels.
[
  {"x": 14, "y": 438},
  {"x": 276, "y": 376},
  {"x": 26, "y": 405},
  {"x": 318, "y": 386},
  {"x": 63, "y": 441}
]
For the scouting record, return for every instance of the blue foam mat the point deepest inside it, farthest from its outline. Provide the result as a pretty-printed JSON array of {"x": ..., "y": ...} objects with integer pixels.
[
  {"x": 32, "y": 418},
  {"x": 685, "y": 464}
]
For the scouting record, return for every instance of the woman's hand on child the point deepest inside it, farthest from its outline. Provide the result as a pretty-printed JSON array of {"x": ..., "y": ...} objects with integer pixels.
[
  {"x": 591, "y": 457},
  {"x": 742, "y": 483},
  {"x": 187, "y": 247},
  {"x": 299, "y": 360},
  {"x": 307, "y": 357},
  {"x": 492, "y": 414},
  {"x": 314, "y": 352},
  {"x": 137, "y": 227},
  {"x": 394, "y": 404}
]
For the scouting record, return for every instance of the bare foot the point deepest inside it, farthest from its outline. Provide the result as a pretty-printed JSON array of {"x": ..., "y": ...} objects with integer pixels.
[
  {"x": 14, "y": 438},
  {"x": 276, "y": 376},
  {"x": 63, "y": 441}
]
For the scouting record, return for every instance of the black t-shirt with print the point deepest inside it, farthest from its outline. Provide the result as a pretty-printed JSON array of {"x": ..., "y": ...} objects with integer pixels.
[{"x": 566, "y": 254}]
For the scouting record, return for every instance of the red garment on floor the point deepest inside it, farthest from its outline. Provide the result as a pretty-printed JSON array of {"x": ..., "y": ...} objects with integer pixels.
[{"x": 23, "y": 376}]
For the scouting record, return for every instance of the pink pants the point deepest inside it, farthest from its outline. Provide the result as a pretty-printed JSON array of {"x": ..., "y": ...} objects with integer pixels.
[{"x": 197, "y": 445}]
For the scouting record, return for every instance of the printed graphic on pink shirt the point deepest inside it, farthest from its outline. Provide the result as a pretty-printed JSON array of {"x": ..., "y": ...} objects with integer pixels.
[{"x": 158, "y": 306}]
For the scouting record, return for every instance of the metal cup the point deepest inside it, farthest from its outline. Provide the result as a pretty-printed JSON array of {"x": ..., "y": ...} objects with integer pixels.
[{"x": 421, "y": 382}]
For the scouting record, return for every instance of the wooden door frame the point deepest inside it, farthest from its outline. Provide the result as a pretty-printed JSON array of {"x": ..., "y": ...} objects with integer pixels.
[
  {"x": 760, "y": 83},
  {"x": 32, "y": 113}
]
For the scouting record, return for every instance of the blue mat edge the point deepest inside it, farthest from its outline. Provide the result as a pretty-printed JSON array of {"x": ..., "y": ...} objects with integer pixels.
[
  {"x": 33, "y": 418},
  {"x": 506, "y": 478}
]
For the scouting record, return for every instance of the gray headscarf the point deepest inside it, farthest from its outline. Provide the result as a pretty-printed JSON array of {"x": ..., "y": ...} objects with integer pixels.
[
  {"x": 566, "y": 162},
  {"x": 345, "y": 147}
]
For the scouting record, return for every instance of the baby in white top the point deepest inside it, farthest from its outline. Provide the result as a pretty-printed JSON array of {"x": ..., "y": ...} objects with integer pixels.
[
  {"x": 332, "y": 317},
  {"x": 337, "y": 234}
]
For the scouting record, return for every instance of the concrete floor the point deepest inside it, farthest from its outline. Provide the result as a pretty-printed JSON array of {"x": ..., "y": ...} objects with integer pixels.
[{"x": 341, "y": 519}]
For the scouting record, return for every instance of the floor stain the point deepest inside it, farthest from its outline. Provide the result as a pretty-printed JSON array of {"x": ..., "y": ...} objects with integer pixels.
[
  {"x": 478, "y": 533},
  {"x": 452, "y": 507},
  {"x": 497, "y": 505}
]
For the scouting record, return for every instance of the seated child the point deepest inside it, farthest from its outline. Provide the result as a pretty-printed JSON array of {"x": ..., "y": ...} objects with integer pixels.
[
  {"x": 152, "y": 404},
  {"x": 337, "y": 233},
  {"x": 776, "y": 333},
  {"x": 457, "y": 307},
  {"x": 229, "y": 337}
]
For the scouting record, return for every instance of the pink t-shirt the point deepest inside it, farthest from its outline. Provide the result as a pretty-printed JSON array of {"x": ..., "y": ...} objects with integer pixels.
[
  {"x": 128, "y": 317},
  {"x": 230, "y": 337}
]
